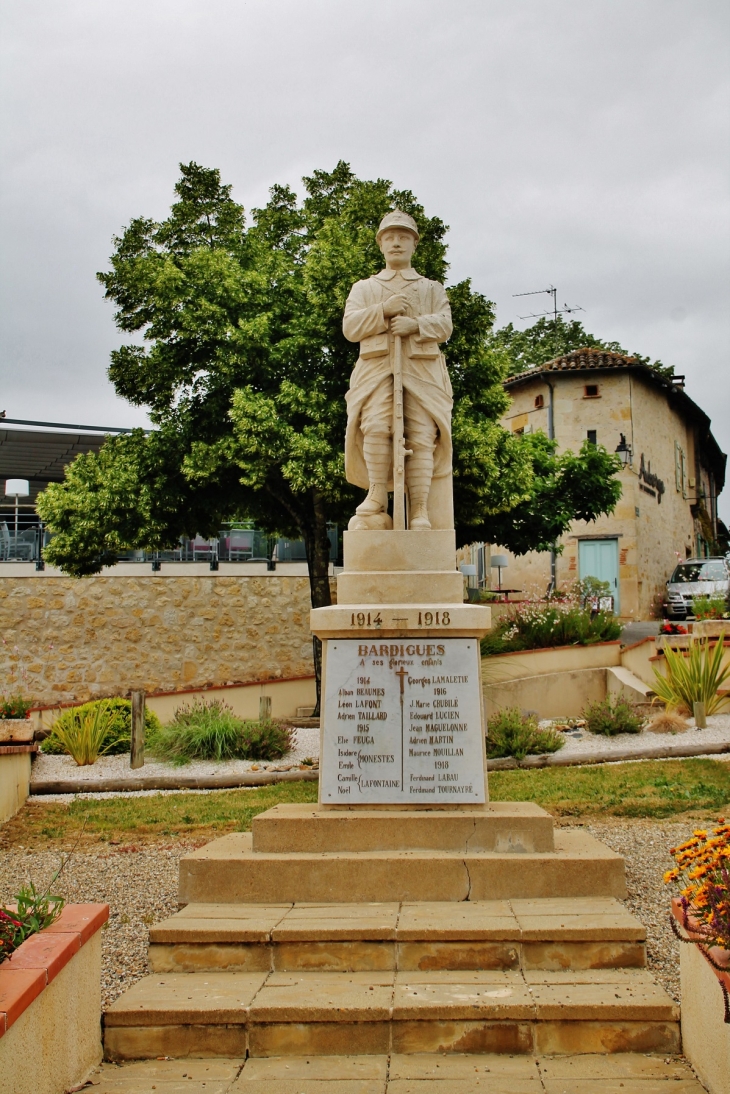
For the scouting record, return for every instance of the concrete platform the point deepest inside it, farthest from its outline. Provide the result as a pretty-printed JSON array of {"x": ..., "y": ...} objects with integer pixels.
[
  {"x": 229, "y": 871},
  {"x": 403, "y": 1074},
  {"x": 359, "y": 1013},
  {"x": 506, "y": 827}
]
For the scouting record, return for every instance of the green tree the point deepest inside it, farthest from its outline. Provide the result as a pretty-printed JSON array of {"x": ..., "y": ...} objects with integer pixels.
[
  {"x": 550, "y": 338},
  {"x": 244, "y": 369}
]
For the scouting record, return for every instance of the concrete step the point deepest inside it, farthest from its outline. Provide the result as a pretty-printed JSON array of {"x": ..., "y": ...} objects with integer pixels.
[
  {"x": 228, "y": 871},
  {"x": 620, "y": 1073},
  {"x": 508, "y": 827},
  {"x": 234, "y": 1014},
  {"x": 549, "y": 934}
]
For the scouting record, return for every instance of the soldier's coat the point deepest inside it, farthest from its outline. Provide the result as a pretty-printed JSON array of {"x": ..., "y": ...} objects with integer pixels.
[{"x": 424, "y": 369}]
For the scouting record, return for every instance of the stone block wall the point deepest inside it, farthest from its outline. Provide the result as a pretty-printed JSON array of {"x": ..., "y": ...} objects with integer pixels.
[{"x": 66, "y": 640}]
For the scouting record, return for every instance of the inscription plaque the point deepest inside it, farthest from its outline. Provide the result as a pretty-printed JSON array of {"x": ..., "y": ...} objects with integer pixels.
[{"x": 402, "y": 722}]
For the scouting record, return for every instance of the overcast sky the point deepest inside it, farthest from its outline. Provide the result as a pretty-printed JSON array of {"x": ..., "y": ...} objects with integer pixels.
[{"x": 581, "y": 143}]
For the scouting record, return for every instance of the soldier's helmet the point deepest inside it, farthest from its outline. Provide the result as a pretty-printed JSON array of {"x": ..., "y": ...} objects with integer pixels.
[{"x": 397, "y": 219}]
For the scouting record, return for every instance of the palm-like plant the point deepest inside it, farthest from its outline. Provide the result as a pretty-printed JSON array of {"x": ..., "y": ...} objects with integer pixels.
[
  {"x": 694, "y": 678},
  {"x": 87, "y": 735}
]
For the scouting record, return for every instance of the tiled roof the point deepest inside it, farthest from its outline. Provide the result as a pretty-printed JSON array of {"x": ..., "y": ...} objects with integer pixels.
[{"x": 579, "y": 360}]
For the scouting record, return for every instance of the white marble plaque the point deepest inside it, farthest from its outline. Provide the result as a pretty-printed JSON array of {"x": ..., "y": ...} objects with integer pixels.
[{"x": 402, "y": 722}]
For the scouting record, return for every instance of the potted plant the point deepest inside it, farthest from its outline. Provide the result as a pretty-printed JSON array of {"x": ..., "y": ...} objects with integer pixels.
[
  {"x": 15, "y": 724},
  {"x": 700, "y": 919}
]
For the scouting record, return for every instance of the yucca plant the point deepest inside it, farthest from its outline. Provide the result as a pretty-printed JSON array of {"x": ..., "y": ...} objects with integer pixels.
[
  {"x": 694, "y": 678},
  {"x": 88, "y": 733}
]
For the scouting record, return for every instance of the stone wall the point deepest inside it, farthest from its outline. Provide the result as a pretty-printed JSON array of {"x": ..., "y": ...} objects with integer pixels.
[{"x": 66, "y": 639}]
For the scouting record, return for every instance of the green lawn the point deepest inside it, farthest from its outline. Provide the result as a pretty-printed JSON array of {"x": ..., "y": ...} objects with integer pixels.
[{"x": 656, "y": 789}]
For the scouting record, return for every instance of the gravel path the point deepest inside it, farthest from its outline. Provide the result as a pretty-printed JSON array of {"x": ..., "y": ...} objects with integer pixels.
[
  {"x": 579, "y": 742},
  {"x": 645, "y": 846},
  {"x": 141, "y": 888}
]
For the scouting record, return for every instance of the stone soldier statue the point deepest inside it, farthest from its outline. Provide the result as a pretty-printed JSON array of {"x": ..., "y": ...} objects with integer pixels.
[{"x": 398, "y": 302}]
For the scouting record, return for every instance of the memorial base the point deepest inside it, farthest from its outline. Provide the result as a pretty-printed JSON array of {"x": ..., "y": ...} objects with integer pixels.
[{"x": 402, "y": 711}]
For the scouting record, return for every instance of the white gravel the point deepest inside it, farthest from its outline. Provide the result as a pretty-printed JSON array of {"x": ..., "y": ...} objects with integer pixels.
[
  {"x": 117, "y": 767},
  {"x": 579, "y": 742},
  {"x": 645, "y": 846}
]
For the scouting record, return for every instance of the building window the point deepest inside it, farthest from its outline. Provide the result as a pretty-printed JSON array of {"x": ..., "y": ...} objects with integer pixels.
[
  {"x": 539, "y": 402},
  {"x": 590, "y": 391},
  {"x": 591, "y": 436}
]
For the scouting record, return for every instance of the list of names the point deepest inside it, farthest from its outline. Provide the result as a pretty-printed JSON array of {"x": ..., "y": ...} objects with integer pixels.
[{"x": 402, "y": 722}]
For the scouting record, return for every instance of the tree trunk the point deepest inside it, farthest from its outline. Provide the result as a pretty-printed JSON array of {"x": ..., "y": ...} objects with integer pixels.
[{"x": 317, "y": 544}]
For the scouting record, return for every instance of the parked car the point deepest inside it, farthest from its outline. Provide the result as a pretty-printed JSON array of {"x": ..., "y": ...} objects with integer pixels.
[{"x": 695, "y": 577}]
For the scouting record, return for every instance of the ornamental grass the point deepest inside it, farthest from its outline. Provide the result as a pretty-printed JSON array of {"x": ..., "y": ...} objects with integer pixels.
[
  {"x": 211, "y": 731},
  {"x": 694, "y": 678},
  {"x": 87, "y": 732}
]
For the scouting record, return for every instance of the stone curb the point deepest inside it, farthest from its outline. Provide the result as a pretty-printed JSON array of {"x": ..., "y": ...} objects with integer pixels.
[
  {"x": 648, "y": 752},
  {"x": 169, "y": 782},
  {"x": 265, "y": 778}
]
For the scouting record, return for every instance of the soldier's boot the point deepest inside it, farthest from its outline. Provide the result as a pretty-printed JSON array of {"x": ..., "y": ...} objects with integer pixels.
[
  {"x": 377, "y": 450},
  {"x": 419, "y": 472}
]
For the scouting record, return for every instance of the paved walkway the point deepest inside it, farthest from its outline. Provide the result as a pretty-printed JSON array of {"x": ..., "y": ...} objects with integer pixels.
[
  {"x": 634, "y": 632},
  {"x": 416, "y": 1074}
]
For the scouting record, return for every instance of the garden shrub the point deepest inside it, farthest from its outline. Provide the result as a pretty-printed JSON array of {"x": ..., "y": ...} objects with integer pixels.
[
  {"x": 612, "y": 715},
  {"x": 211, "y": 731},
  {"x": 119, "y": 728},
  {"x": 511, "y": 733},
  {"x": 541, "y": 625}
]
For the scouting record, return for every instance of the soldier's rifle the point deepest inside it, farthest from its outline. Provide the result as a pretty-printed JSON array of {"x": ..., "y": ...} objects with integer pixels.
[{"x": 399, "y": 441}]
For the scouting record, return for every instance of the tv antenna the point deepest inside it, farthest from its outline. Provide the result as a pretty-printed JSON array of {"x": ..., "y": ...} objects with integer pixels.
[{"x": 555, "y": 311}]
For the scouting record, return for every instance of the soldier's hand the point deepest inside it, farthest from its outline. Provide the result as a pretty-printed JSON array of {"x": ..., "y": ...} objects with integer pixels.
[
  {"x": 403, "y": 325},
  {"x": 396, "y": 305}
]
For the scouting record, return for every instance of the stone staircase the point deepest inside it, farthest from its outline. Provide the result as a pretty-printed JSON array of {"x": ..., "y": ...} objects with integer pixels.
[{"x": 396, "y": 933}]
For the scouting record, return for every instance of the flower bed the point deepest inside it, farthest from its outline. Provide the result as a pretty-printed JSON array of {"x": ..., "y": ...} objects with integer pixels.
[
  {"x": 544, "y": 625},
  {"x": 50, "y": 1005}
]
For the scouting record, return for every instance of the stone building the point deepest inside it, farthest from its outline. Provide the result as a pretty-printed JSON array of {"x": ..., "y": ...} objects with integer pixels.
[{"x": 674, "y": 471}]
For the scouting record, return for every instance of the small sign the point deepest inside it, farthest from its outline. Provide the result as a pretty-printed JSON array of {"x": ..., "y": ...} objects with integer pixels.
[{"x": 402, "y": 722}]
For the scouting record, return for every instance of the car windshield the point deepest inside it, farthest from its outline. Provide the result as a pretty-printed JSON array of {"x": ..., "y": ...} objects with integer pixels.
[{"x": 700, "y": 571}]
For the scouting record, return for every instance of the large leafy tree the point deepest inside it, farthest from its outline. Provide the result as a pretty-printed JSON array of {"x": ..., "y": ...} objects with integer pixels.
[
  {"x": 243, "y": 368},
  {"x": 550, "y": 338}
]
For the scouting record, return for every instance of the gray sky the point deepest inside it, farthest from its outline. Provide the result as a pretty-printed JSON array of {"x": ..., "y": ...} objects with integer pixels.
[{"x": 582, "y": 143}]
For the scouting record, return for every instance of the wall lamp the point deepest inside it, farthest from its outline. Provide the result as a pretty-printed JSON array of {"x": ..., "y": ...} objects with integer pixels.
[{"x": 623, "y": 451}]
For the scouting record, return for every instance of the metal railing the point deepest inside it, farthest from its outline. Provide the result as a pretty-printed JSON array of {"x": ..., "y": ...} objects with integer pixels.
[{"x": 235, "y": 543}]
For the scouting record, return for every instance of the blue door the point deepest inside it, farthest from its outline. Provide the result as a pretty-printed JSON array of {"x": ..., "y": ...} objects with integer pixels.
[{"x": 599, "y": 558}]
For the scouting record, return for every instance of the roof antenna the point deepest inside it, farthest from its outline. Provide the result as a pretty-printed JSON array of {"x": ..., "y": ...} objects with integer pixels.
[{"x": 555, "y": 311}]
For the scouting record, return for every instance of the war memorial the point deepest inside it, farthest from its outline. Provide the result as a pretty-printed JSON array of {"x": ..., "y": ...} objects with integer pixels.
[{"x": 405, "y": 917}]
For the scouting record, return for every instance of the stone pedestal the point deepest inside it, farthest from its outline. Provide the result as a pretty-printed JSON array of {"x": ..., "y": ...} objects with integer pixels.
[{"x": 402, "y": 717}]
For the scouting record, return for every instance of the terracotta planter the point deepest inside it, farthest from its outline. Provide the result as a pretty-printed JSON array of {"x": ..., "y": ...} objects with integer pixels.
[
  {"x": 50, "y": 1005},
  {"x": 717, "y": 955},
  {"x": 705, "y": 1034}
]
